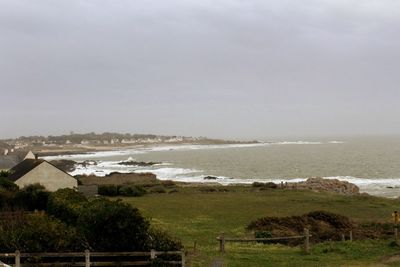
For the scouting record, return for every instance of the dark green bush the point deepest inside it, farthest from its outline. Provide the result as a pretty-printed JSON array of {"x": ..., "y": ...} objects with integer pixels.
[
  {"x": 6, "y": 199},
  {"x": 32, "y": 197},
  {"x": 113, "y": 226},
  {"x": 76, "y": 223},
  {"x": 38, "y": 233},
  {"x": 173, "y": 191},
  {"x": 263, "y": 234},
  {"x": 168, "y": 183},
  {"x": 263, "y": 186},
  {"x": 4, "y": 174},
  {"x": 108, "y": 190},
  {"x": 208, "y": 189},
  {"x": 157, "y": 189},
  {"x": 66, "y": 204},
  {"x": 7, "y": 184},
  {"x": 257, "y": 184},
  {"x": 131, "y": 191}
]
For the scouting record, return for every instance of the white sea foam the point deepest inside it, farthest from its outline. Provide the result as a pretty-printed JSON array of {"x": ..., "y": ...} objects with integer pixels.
[
  {"x": 96, "y": 155},
  {"x": 160, "y": 148},
  {"x": 296, "y": 143},
  {"x": 171, "y": 173},
  {"x": 198, "y": 147}
]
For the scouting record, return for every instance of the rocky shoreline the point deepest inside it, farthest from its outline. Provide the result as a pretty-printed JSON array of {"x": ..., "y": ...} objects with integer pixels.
[{"x": 316, "y": 184}]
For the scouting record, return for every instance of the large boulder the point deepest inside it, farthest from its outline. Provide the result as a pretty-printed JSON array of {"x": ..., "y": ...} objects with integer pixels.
[{"x": 331, "y": 185}]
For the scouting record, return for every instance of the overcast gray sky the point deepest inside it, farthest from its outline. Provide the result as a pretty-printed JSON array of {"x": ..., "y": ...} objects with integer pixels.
[{"x": 234, "y": 69}]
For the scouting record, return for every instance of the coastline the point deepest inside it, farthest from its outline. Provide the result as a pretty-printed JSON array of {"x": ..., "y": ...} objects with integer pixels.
[{"x": 104, "y": 160}]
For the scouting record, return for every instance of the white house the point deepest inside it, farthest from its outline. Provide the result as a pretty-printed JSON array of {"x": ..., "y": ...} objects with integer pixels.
[{"x": 39, "y": 171}]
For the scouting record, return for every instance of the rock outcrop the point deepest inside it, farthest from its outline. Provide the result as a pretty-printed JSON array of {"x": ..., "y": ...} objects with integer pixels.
[
  {"x": 331, "y": 185},
  {"x": 138, "y": 163}
]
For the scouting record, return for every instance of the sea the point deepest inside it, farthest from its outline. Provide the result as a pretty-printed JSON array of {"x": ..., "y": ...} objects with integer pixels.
[{"x": 372, "y": 163}]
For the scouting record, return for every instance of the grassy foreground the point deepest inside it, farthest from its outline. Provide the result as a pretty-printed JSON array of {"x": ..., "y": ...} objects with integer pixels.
[{"x": 195, "y": 216}]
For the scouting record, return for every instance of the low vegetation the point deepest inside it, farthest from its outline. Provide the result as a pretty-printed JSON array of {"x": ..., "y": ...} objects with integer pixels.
[
  {"x": 67, "y": 221},
  {"x": 122, "y": 190},
  {"x": 198, "y": 217},
  {"x": 138, "y": 189}
]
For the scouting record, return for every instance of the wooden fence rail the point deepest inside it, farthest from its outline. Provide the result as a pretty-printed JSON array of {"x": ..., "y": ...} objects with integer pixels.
[
  {"x": 89, "y": 261},
  {"x": 222, "y": 240}
]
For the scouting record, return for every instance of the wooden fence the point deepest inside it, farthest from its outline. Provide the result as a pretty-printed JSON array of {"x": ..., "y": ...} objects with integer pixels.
[
  {"x": 86, "y": 258},
  {"x": 222, "y": 240}
]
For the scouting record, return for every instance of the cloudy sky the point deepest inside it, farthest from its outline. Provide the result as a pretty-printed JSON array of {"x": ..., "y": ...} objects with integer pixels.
[{"x": 221, "y": 68}]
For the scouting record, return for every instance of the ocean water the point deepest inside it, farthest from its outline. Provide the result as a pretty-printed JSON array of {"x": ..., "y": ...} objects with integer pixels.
[{"x": 372, "y": 163}]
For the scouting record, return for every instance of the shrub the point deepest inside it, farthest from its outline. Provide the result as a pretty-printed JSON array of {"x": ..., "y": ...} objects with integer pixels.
[
  {"x": 108, "y": 190},
  {"x": 168, "y": 183},
  {"x": 157, "y": 189},
  {"x": 223, "y": 190},
  {"x": 132, "y": 191},
  {"x": 32, "y": 197},
  {"x": 65, "y": 204},
  {"x": 263, "y": 186},
  {"x": 263, "y": 234},
  {"x": 271, "y": 185},
  {"x": 207, "y": 189},
  {"x": 162, "y": 241},
  {"x": 7, "y": 184},
  {"x": 113, "y": 226},
  {"x": 38, "y": 233},
  {"x": 257, "y": 184},
  {"x": 4, "y": 174},
  {"x": 173, "y": 191},
  {"x": 6, "y": 199}
]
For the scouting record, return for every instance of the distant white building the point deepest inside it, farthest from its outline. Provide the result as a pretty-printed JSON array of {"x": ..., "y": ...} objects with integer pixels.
[{"x": 114, "y": 141}]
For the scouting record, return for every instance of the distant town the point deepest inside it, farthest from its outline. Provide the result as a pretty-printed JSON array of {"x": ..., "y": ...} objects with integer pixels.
[{"x": 94, "y": 141}]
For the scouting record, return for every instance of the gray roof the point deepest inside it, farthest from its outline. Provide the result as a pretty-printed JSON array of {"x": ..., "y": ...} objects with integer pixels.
[{"x": 23, "y": 168}]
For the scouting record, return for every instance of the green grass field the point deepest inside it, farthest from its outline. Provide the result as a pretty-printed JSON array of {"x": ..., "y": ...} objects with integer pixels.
[{"x": 195, "y": 216}]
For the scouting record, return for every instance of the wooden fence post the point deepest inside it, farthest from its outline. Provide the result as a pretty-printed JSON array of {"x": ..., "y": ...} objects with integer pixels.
[
  {"x": 87, "y": 258},
  {"x": 183, "y": 258},
  {"x": 351, "y": 235},
  {"x": 306, "y": 240},
  {"x": 17, "y": 258},
  {"x": 152, "y": 254},
  {"x": 396, "y": 233},
  {"x": 222, "y": 243}
]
